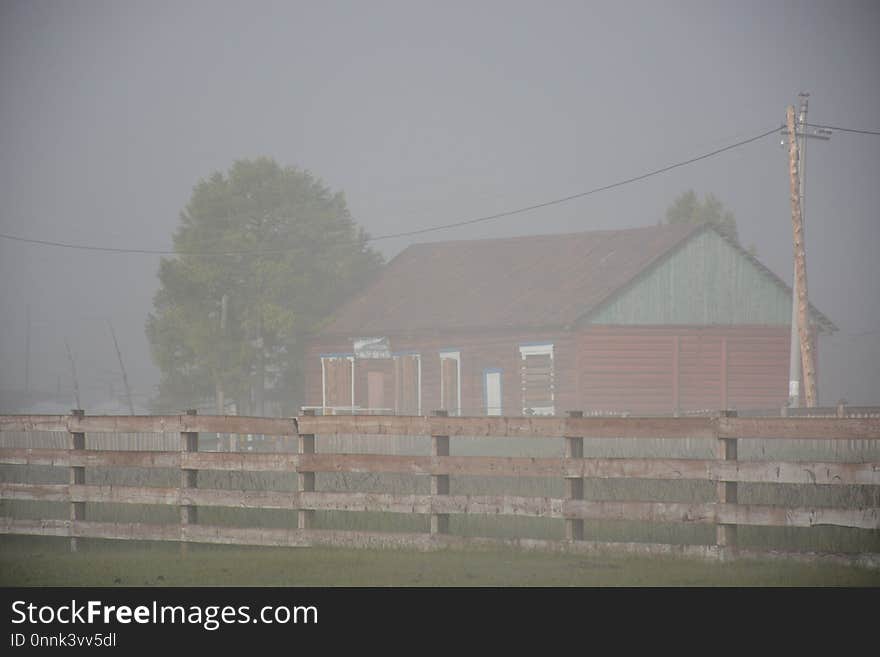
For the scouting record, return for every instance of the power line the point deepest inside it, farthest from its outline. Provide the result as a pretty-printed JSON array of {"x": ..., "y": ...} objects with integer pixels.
[
  {"x": 834, "y": 127},
  {"x": 596, "y": 190},
  {"x": 864, "y": 333},
  {"x": 408, "y": 233},
  {"x": 858, "y": 334},
  {"x": 87, "y": 247}
]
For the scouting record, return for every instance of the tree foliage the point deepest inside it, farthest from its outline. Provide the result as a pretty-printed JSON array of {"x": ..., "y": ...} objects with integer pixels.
[
  {"x": 688, "y": 209},
  {"x": 236, "y": 322}
]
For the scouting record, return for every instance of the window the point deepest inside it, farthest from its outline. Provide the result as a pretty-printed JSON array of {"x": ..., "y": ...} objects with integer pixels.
[
  {"x": 492, "y": 391},
  {"x": 537, "y": 377},
  {"x": 337, "y": 378},
  {"x": 408, "y": 384},
  {"x": 450, "y": 382}
]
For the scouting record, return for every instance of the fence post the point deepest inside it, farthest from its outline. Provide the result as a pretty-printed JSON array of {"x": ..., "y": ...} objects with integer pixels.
[
  {"x": 77, "y": 441},
  {"x": 726, "y": 448},
  {"x": 440, "y": 483},
  {"x": 306, "y": 480},
  {"x": 189, "y": 442},
  {"x": 574, "y": 486}
]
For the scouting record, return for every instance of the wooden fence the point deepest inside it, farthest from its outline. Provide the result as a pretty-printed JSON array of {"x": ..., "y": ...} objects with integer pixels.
[{"x": 725, "y": 472}]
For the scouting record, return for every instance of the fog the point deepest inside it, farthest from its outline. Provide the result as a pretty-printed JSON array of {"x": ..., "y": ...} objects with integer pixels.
[{"x": 422, "y": 114}]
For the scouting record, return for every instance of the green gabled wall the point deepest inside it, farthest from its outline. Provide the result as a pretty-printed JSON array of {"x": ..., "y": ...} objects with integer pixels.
[{"x": 706, "y": 281}]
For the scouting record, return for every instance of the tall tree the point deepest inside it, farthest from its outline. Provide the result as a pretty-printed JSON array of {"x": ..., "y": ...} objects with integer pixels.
[
  {"x": 687, "y": 208},
  {"x": 264, "y": 254}
]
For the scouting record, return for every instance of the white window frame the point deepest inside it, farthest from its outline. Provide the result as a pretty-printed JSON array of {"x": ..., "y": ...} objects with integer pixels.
[
  {"x": 325, "y": 358},
  {"x": 451, "y": 354},
  {"x": 542, "y": 349},
  {"x": 488, "y": 410}
]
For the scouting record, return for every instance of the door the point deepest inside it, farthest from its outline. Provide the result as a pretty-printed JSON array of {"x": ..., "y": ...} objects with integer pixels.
[{"x": 376, "y": 392}]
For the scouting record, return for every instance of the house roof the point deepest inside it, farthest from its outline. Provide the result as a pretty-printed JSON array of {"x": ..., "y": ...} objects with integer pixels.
[{"x": 546, "y": 281}]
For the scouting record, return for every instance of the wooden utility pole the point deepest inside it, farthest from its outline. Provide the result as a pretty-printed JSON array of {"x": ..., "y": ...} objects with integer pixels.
[
  {"x": 805, "y": 135},
  {"x": 800, "y": 264}
]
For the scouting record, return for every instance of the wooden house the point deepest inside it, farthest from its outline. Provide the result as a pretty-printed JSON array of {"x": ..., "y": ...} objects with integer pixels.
[{"x": 651, "y": 320}]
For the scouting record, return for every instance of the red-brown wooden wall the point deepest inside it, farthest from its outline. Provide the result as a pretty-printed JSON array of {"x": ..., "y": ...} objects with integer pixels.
[
  {"x": 598, "y": 368},
  {"x": 658, "y": 369}
]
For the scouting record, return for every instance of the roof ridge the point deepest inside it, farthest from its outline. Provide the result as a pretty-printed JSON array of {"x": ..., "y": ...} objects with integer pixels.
[{"x": 568, "y": 234}]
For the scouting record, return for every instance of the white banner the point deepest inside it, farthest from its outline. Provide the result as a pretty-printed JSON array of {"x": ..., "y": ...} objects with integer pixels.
[{"x": 372, "y": 348}]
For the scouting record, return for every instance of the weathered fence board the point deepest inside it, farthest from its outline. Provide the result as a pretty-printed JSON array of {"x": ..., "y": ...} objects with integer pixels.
[
  {"x": 510, "y": 427},
  {"x": 602, "y": 468},
  {"x": 777, "y": 472},
  {"x": 33, "y": 422},
  {"x": 509, "y": 505},
  {"x": 819, "y": 428},
  {"x": 237, "y": 424},
  {"x": 799, "y": 428},
  {"x": 236, "y": 461}
]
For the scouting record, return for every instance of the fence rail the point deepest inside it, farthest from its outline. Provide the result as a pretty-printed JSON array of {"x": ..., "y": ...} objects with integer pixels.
[
  {"x": 725, "y": 471},
  {"x": 720, "y": 426}
]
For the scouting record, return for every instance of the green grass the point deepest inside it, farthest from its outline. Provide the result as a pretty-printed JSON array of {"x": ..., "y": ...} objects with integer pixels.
[{"x": 40, "y": 561}]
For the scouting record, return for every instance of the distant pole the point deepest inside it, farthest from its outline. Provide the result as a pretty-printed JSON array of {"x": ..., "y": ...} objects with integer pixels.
[
  {"x": 73, "y": 372},
  {"x": 122, "y": 368},
  {"x": 27, "y": 352},
  {"x": 221, "y": 402},
  {"x": 258, "y": 378},
  {"x": 259, "y": 397},
  {"x": 220, "y": 397},
  {"x": 800, "y": 264}
]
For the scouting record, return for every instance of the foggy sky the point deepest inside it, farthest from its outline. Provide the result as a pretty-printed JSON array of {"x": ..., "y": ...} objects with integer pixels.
[{"x": 423, "y": 113}]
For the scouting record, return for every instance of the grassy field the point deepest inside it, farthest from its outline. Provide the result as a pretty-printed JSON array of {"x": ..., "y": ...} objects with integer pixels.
[{"x": 32, "y": 561}]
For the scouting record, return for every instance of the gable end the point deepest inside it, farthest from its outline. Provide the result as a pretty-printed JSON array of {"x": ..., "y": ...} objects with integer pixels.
[{"x": 707, "y": 280}]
